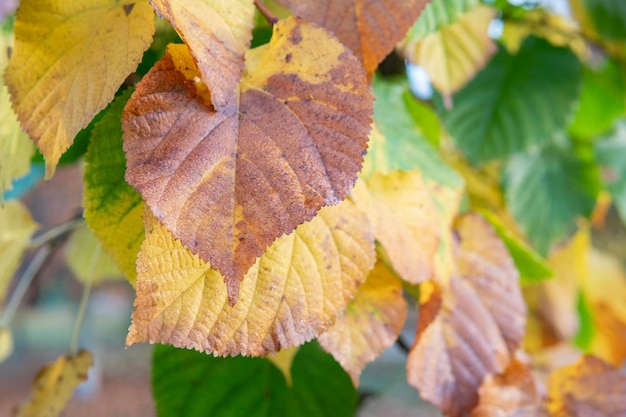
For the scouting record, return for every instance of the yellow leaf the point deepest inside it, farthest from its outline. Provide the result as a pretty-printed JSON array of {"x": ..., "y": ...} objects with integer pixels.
[
  {"x": 6, "y": 344},
  {"x": 217, "y": 33},
  {"x": 589, "y": 387},
  {"x": 79, "y": 254},
  {"x": 227, "y": 183},
  {"x": 405, "y": 220},
  {"x": 470, "y": 325},
  {"x": 557, "y": 29},
  {"x": 370, "y": 29},
  {"x": 456, "y": 52},
  {"x": 16, "y": 149},
  {"x": 371, "y": 323},
  {"x": 16, "y": 228},
  {"x": 55, "y": 384},
  {"x": 604, "y": 288},
  {"x": 295, "y": 290},
  {"x": 283, "y": 360},
  {"x": 70, "y": 57}
]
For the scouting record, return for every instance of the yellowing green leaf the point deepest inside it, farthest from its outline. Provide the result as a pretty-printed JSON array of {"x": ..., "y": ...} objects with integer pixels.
[
  {"x": 16, "y": 149},
  {"x": 299, "y": 286},
  {"x": 371, "y": 323},
  {"x": 470, "y": 327},
  {"x": 283, "y": 361},
  {"x": 217, "y": 33},
  {"x": 16, "y": 228},
  {"x": 55, "y": 384},
  {"x": 69, "y": 59},
  {"x": 113, "y": 209},
  {"x": 370, "y": 29},
  {"x": 79, "y": 254},
  {"x": 6, "y": 344},
  {"x": 456, "y": 52},
  {"x": 404, "y": 218},
  {"x": 227, "y": 183}
]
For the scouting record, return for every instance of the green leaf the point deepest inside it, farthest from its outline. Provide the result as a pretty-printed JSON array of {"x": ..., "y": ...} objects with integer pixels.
[
  {"x": 547, "y": 190},
  {"x": 609, "y": 17},
  {"x": 531, "y": 266},
  {"x": 439, "y": 13},
  {"x": 610, "y": 153},
  {"x": 113, "y": 209},
  {"x": 601, "y": 101},
  {"x": 586, "y": 330},
  {"x": 398, "y": 141},
  {"x": 192, "y": 384},
  {"x": 516, "y": 102}
]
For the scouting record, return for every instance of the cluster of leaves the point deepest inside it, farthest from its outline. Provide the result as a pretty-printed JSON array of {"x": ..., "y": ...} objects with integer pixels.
[{"x": 259, "y": 198}]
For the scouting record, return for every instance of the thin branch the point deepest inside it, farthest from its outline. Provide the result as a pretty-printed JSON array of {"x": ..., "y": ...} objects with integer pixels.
[
  {"x": 84, "y": 299},
  {"x": 23, "y": 284},
  {"x": 55, "y": 232},
  {"x": 267, "y": 14},
  {"x": 403, "y": 345}
]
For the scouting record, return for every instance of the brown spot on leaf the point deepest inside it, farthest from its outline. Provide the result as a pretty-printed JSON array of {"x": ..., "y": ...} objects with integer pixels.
[{"x": 288, "y": 57}]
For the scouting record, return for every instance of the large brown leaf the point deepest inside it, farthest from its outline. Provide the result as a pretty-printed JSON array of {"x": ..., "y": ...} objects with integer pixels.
[
  {"x": 588, "y": 388},
  {"x": 228, "y": 183},
  {"x": 370, "y": 28},
  {"x": 470, "y": 324}
]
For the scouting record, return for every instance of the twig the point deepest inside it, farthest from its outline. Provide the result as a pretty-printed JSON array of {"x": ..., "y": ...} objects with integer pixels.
[
  {"x": 403, "y": 345},
  {"x": 267, "y": 14},
  {"x": 55, "y": 232},
  {"x": 23, "y": 284},
  {"x": 83, "y": 300}
]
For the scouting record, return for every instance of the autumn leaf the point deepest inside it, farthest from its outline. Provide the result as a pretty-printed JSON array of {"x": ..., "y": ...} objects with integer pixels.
[
  {"x": 295, "y": 290},
  {"x": 6, "y": 343},
  {"x": 217, "y": 33},
  {"x": 456, "y": 52},
  {"x": 69, "y": 59},
  {"x": 16, "y": 149},
  {"x": 371, "y": 323},
  {"x": 113, "y": 209},
  {"x": 511, "y": 394},
  {"x": 370, "y": 28},
  {"x": 81, "y": 248},
  {"x": 589, "y": 387},
  {"x": 404, "y": 218},
  {"x": 16, "y": 228},
  {"x": 55, "y": 384},
  {"x": 470, "y": 325},
  {"x": 228, "y": 183}
]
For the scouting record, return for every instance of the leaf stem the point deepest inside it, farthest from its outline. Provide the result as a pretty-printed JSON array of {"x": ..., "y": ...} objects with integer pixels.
[
  {"x": 55, "y": 232},
  {"x": 83, "y": 300},
  {"x": 23, "y": 284},
  {"x": 267, "y": 14},
  {"x": 403, "y": 345}
]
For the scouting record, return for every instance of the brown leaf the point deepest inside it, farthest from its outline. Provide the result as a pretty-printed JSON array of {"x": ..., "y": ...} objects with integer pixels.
[
  {"x": 511, "y": 394},
  {"x": 588, "y": 388},
  {"x": 217, "y": 33},
  {"x": 228, "y": 183},
  {"x": 370, "y": 28},
  {"x": 371, "y": 323},
  {"x": 480, "y": 321}
]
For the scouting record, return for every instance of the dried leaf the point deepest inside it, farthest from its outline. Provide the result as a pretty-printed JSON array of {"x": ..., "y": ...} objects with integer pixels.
[
  {"x": 77, "y": 54},
  {"x": 295, "y": 290},
  {"x": 511, "y": 394},
  {"x": 370, "y": 28},
  {"x": 404, "y": 218},
  {"x": 588, "y": 388},
  {"x": 371, "y": 323},
  {"x": 217, "y": 33},
  {"x": 228, "y": 183},
  {"x": 55, "y": 384},
  {"x": 16, "y": 228},
  {"x": 455, "y": 53},
  {"x": 469, "y": 327}
]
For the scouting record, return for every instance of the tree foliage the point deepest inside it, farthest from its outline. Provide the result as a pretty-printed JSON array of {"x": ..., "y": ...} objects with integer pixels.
[{"x": 261, "y": 182}]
